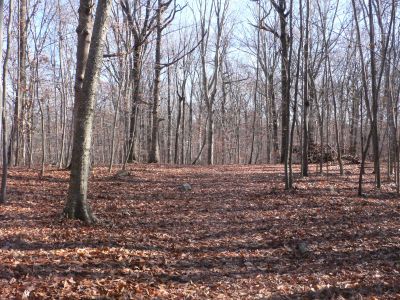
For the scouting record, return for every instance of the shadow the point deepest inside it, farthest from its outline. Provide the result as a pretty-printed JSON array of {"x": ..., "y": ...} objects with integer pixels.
[
  {"x": 356, "y": 292},
  {"x": 235, "y": 229}
]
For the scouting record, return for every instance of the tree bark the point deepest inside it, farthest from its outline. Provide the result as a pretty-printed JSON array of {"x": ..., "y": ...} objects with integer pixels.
[
  {"x": 136, "y": 99},
  {"x": 178, "y": 121},
  {"x": 306, "y": 102},
  {"x": 285, "y": 85},
  {"x": 3, "y": 196},
  {"x": 154, "y": 155},
  {"x": 17, "y": 132},
  {"x": 77, "y": 206},
  {"x": 375, "y": 91}
]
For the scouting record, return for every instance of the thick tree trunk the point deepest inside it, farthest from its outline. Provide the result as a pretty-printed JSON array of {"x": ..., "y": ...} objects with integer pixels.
[
  {"x": 84, "y": 32},
  {"x": 77, "y": 206},
  {"x": 136, "y": 99}
]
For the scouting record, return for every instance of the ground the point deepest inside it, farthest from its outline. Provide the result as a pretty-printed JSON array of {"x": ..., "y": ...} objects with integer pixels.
[{"x": 236, "y": 235}]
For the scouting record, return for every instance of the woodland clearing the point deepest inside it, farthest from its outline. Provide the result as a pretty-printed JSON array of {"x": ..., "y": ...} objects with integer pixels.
[{"x": 235, "y": 235}]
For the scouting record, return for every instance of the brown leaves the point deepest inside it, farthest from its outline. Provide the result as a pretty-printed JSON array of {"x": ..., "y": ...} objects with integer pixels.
[{"x": 235, "y": 235}]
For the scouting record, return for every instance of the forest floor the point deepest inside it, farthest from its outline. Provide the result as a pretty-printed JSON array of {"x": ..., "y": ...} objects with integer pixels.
[{"x": 236, "y": 235}]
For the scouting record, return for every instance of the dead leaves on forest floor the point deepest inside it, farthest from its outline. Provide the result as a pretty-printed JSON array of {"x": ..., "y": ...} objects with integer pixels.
[{"x": 235, "y": 235}]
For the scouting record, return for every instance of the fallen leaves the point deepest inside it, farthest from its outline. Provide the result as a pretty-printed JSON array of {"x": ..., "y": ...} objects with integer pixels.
[{"x": 236, "y": 235}]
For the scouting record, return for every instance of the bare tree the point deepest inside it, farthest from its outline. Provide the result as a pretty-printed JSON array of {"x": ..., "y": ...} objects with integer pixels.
[
  {"x": 281, "y": 9},
  {"x": 77, "y": 206},
  {"x": 3, "y": 196}
]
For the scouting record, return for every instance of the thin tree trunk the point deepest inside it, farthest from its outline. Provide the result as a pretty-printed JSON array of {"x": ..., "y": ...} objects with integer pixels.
[
  {"x": 374, "y": 90},
  {"x": 339, "y": 154},
  {"x": 3, "y": 196},
  {"x": 178, "y": 121},
  {"x": 306, "y": 102},
  {"x": 169, "y": 110},
  {"x": 154, "y": 155},
  {"x": 271, "y": 95},
  {"x": 285, "y": 84},
  {"x": 285, "y": 87},
  {"x": 256, "y": 87},
  {"x": 354, "y": 121},
  {"x": 42, "y": 125},
  {"x": 183, "y": 129},
  {"x": 115, "y": 120},
  {"x": 63, "y": 97}
]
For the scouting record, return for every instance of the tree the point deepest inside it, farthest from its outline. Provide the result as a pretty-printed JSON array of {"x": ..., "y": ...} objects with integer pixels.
[
  {"x": 17, "y": 134},
  {"x": 210, "y": 83},
  {"x": 281, "y": 9},
  {"x": 371, "y": 95},
  {"x": 77, "y": 206},
  {"x": 3, "y": 196},
  {"x": 142, "y": 24},
  {"x": 161, "y": 24},
  {"x": 306, "y": 101}
]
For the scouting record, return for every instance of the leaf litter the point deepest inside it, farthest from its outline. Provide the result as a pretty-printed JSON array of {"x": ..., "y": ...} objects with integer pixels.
[{"x": 236, "y": 234}]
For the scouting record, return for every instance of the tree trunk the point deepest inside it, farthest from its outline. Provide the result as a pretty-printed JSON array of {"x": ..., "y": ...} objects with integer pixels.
[
  {"x": 17, "y": 133},
  {"x": 178, "y": 121},
  {"x": 271, "y": 95},
  {"x": 136, "y": 99},
  {"x": 154, "y": 155},
  {"x": 223, "y": 122},
  {"x": 285, "y": 87},
  {"x": 337, "y": 138},
  {"x": 210, "y": 136},
  {"x": 355, "y": 116},
  {"x": 63, "y": 96},
  {"x": 3, "y": 196},
  {"x": 256, "y": 87},
  {"x": 169, "y": 110},
  {"x": 115, "y": 120},
  {"x": 285, "y": 84},
  {"x": 77, "y": 206},
  {"x": 306, "y": 102},
  {"x": 375, "y": 95},
  {"x": 183, "y": 129},
  {"x": 190, "y": 148}
]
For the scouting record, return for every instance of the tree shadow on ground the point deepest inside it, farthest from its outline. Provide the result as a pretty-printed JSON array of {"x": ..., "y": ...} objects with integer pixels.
[{"x": 217, "y": 233}]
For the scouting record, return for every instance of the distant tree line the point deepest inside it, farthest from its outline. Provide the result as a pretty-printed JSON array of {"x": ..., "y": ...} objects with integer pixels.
[{"x": 202, "y": 82}]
